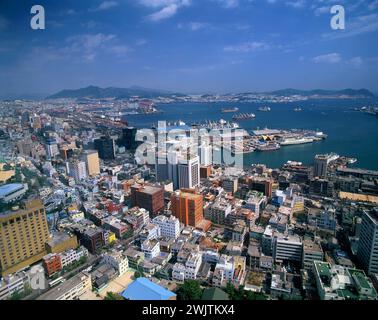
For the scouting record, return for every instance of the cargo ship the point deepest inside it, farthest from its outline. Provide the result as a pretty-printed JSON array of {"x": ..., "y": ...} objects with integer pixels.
[
  {"x": 243, "y": 116},
  {"x": 230, "y": 110},
  {"x": 268, "y": 147}
]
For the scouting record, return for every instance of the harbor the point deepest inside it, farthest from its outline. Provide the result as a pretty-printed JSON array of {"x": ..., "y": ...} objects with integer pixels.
[
  {"x": 338, "y": 120},
  {"x": 243, "y": 142}
]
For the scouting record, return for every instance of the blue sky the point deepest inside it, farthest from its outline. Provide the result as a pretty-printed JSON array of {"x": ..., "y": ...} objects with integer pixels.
[{"x": 188, "y": 45}]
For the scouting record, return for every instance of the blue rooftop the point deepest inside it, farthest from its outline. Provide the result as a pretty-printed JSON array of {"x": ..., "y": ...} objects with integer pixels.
[
  {"x": 9, "y": 188},
  {"x": 144, "y": 289}
]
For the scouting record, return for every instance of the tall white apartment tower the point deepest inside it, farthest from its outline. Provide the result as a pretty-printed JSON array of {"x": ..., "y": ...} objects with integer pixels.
[
  {"x": 367, "y": 252},
  {"x": 205, "y": 153},
  {"x": 189, "y": 172}
]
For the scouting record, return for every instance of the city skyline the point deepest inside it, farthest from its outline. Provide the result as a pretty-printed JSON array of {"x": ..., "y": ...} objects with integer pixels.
[{"x": 188, "y": 46}]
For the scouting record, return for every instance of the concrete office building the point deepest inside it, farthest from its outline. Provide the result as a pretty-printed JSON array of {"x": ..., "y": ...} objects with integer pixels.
[
  {"x": 23, "y": 234},
  {"x": 92, "y": 162},
  {"x": 312, "y": 251},
  {"x": 230, "y": 184},
  {"x": 169, "y": 226},
  {"x": 77, "y": 170},
  {"x": 105, "y": 147},
  {"x": 321, "y": 164},
  {"x": 287, "y": 248},
  {"x": 71, "y": 289},
  {"x": 148, "y": 197},
  {"x": 187, "y": 206}
]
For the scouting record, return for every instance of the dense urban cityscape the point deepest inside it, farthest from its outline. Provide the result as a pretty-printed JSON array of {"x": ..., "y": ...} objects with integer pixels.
[
  {"x": 80, "y": 211},
  {"x": 182, "y": 158}
]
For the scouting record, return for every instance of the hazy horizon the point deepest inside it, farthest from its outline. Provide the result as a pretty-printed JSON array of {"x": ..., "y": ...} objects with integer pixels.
[{"x": 188, "y": 46}]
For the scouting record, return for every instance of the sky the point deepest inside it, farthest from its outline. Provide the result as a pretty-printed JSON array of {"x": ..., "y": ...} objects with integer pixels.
[{"x": 189, "y": 46}]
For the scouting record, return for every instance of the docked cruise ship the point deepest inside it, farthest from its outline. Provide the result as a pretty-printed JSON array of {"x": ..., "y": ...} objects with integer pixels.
[{"x": 294, "y": 141}]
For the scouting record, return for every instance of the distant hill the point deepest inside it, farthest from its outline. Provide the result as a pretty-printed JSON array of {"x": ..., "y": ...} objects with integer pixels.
[
  {"x": 364, "y": 93},
  {"x": 111, "y": 92}
]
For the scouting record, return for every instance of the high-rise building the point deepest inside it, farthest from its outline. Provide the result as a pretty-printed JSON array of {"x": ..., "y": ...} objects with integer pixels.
[
  {"x": 91, "y": 159},
  {"x": 23, "y": 234},
  {"x": 321, "y": 164},
  {"x": 77, "y": 169},
  {"x": 205, "y": 153},
  {"x": 187, "y": 206},
  {"x": 105, "y": 147},
  {"x": 52, "y": 148},
  {"x": 367, "y": 252},
  {"x": 128, "y": 138},
  {"x": 189, "y": 173},
  {"x": 184, "y": 173},
  {"x": 148, "y": 197}
]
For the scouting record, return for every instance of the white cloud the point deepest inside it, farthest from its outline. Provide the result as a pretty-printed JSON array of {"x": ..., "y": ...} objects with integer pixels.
[
  {"x": 89, "y": 41},
  {"x": 322, "y": 10},
  {"x": 356, "y": 26},
  {"x": 164, "y": 13},
  {"x": 228, "y": 3},
  {"x": 141, "y": 42},
  {"x": 247, "y": 47},
  {"x": 296, "y": 4},
  {"x": 107, "y": 5},
  {"x": 331, "y": 58},
  {"x": 83, "y": 48},
  {"x": 193, "y": 26},
  {"x": 356, "y": 61},
  {"x": 166, "y": 8}
]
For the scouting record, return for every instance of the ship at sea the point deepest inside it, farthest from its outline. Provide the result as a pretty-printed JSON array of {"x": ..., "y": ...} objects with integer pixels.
[
  {"x": 243, "y": 116},
  {"x": 230, "y": 110},
  {"x": 264, "y": 109},
  {"x": 299, "y": 109},
  {"x": 295, "y": 140}
]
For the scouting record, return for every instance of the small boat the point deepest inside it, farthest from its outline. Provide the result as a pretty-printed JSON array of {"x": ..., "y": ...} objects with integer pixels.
[{"x": 264, "y": 109}]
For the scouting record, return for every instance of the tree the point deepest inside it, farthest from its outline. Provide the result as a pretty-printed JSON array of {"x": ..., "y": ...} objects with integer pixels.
[
  {"x": 190, "y": 290},
  {"x": 113, "y": 296},
  {"x": 242, "y": 294}
]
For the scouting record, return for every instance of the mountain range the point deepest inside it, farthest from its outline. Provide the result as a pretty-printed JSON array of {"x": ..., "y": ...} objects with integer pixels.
[
  {"x": 124, "y": 93},
  {"x": 111, "y": 92}
]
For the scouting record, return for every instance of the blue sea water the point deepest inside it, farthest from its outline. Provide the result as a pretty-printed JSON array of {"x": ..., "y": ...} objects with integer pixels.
[{"x": 350, "y": 133}]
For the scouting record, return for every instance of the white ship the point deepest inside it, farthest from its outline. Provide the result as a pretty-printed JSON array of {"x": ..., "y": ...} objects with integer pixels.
[{"x": 294, "y": 141}]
